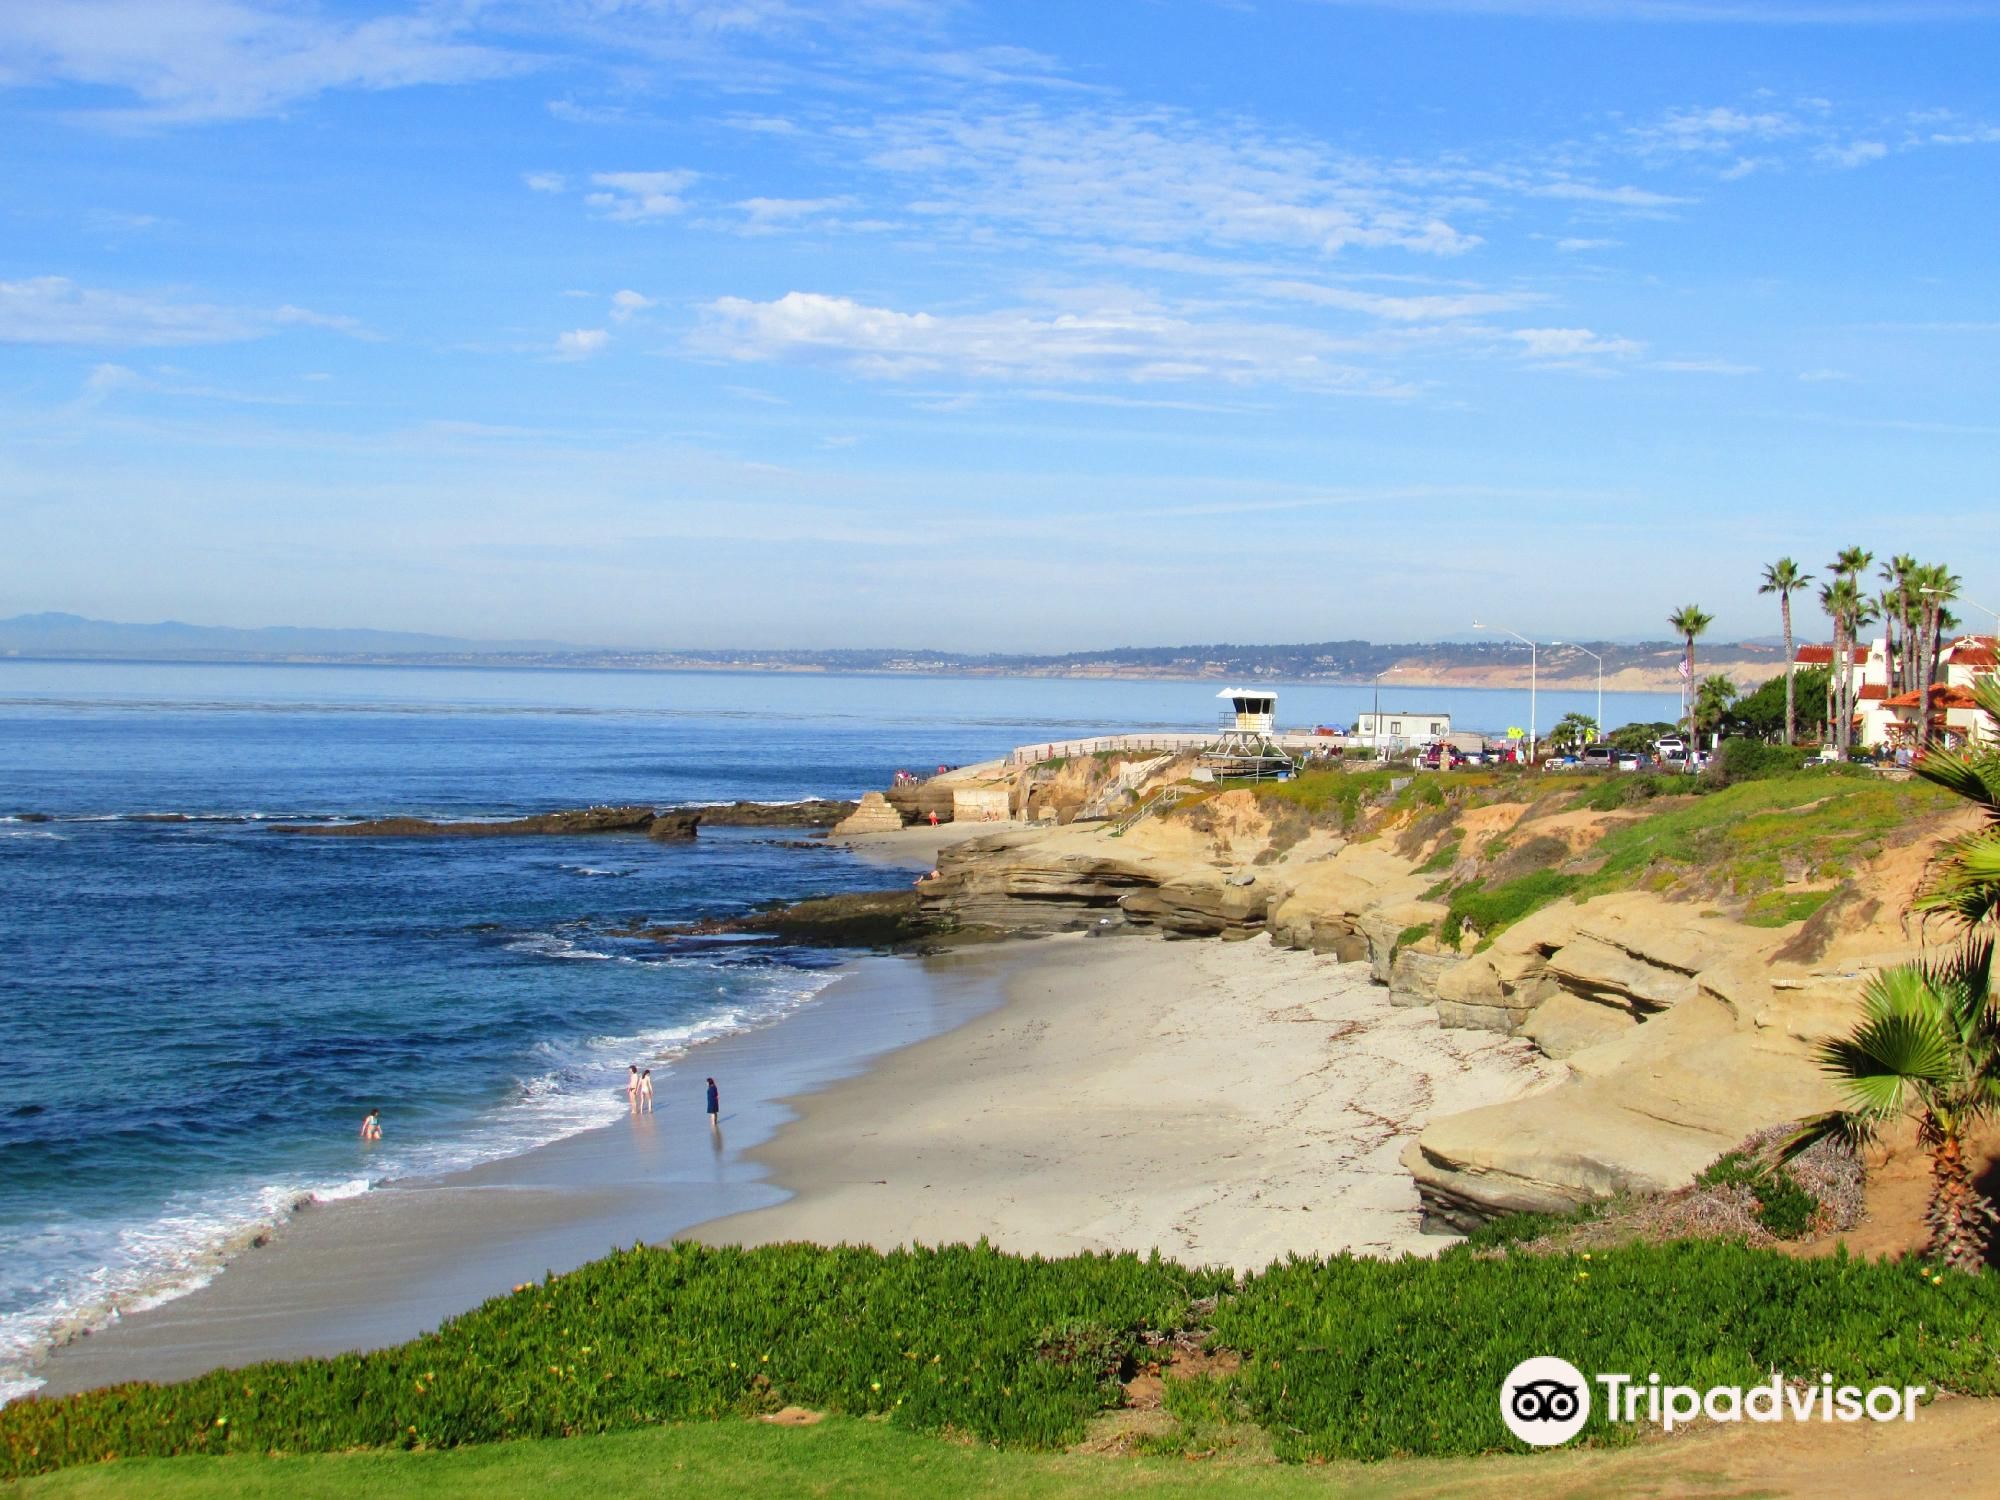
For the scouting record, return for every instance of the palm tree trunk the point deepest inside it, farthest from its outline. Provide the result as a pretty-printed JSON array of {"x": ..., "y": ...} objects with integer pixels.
[
  {"x": 1791, "y": 712},
  {"x": 1694, "y": 737},
  {"x": 1843, "y": 684},
  {"x": 1960, "y": 1219}
]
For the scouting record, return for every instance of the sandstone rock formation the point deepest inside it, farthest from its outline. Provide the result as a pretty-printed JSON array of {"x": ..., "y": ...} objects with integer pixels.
[{"x": 873, "y": 814}]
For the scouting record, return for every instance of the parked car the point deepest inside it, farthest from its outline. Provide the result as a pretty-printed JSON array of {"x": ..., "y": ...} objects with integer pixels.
[{"x": 1631, "y": 761}]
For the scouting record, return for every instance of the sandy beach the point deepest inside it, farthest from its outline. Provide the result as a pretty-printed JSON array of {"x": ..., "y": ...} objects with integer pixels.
[
  {"x": 1224, "y": 1103},
  {"x": 387, "y": 1265}
]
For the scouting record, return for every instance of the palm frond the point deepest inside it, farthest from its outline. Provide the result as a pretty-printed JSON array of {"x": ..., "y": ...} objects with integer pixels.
[
  {"x": 1964, "y": 879},
  {"x": 1975, "y": 778},
  {"x": 1851, "y": 1130}
]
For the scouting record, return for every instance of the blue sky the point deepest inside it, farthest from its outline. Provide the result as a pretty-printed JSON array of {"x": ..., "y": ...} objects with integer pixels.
[{"x": 1032, "y": 326}]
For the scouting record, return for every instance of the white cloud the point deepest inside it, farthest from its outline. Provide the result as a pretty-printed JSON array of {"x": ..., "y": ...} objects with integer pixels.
[
  {"x": 581, "y": 343},
  {"x": 186, "y": 60},
  {"x": 771, "y": 215},
  {"x": 55, "y": 310},
  {"x": 544, "y": 182},
  {"x": 1853, "y": 154},
  {"x": 1701, "y": 367},
  {"x": 1715, "y": 129},
  {"x": 635, "y": 197},
  {"x": 1159, "y": 177},
  {"x": 1725, "y": 12},
  {"x": 1570, "y": 343},
  {"x": 625, "y": 304},
  {"x": 1615, "y": 197},
  {"x": 1575, "y": 245},
  {"x": 1432, "y": 308},
  {"x": 1122, "y": 341}
]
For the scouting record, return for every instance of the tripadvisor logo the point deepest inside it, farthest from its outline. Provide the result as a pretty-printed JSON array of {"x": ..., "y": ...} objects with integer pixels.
[{"x": 1546, "y": 1401}]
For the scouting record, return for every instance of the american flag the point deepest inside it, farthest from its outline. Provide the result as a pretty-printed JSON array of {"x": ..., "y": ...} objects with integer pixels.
[{"x": 1685, "y": 673}]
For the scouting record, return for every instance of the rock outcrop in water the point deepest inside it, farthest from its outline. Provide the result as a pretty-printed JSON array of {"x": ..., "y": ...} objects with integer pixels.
[
  {"x": 854, "y": 919},
  {"x": 575, "y": 821},
  {"x": 817, "y": 812},
  {"x": 669, "y": 825}
]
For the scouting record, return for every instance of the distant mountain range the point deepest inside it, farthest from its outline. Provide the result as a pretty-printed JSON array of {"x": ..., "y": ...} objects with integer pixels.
[
  {"x": 1648, "y": 665},
  {"x": 73, "y": 635}
]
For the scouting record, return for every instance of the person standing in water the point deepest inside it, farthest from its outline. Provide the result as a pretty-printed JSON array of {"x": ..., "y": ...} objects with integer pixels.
[
  {"x": 714, "y": 1106},
  {"x": 371, "y": 1125},
  {"x": 632, "y": 1088},
  {"x": 646, "y": 1091}
]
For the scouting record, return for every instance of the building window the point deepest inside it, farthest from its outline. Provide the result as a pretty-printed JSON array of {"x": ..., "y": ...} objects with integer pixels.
[
  {"x": 1395, "y": 726},
  {"x": 1437, "y": 728}
]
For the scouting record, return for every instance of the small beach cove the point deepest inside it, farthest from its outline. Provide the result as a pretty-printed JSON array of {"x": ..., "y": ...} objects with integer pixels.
[{"x": 389, "y": 1264}]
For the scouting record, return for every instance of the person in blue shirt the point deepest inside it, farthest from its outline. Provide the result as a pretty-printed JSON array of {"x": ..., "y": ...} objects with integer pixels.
[{"x": 714, "y": 1105}]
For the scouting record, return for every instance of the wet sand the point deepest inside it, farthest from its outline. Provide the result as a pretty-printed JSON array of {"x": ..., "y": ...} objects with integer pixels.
[{"x": 387, "y": 1265}]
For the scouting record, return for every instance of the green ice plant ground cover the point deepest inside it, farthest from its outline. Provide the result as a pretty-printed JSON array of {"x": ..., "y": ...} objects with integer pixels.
[{"x": 1347, "y": 1358}]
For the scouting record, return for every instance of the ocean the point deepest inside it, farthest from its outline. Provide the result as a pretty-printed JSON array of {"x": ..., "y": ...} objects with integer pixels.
[{"x": 195, "y": 1011}]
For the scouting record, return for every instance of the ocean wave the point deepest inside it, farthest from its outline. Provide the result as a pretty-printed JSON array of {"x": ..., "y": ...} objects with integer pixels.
[
  {"x": 555, "y": 945},
  {"x": 95, "y": 1273},
  {"x": 128, "y": 1268},
  {"x": 591, "y": 871}
]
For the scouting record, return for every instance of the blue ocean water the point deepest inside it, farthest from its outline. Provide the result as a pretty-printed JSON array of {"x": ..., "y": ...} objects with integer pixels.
[{"x": 195, "y": 1012}]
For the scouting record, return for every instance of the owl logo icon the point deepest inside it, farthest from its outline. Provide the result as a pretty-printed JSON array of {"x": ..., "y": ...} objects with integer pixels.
[{"x": 1545, "y": 1401}]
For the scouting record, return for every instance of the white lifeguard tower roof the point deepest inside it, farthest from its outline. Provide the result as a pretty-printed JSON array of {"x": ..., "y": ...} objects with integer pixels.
[{"x": 1249, "y": 693}]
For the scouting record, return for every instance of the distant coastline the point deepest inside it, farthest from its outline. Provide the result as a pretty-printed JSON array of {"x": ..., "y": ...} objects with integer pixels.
[{"x": 1646, "y": 666}]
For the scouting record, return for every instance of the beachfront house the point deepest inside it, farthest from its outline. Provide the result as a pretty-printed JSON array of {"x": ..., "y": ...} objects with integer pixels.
[
  {"x": 1884, "y": 719},
  {"x": 1393, "y": 733}
]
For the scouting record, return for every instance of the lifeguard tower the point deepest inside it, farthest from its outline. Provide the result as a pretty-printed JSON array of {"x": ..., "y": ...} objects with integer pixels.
[{"x": 1245, "y": 746}]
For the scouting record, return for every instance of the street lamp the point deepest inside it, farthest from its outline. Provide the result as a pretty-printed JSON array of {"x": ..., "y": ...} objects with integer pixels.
[
  {"x": 1600, "y": 680},
  {"x": 1984, "y": 609},
  {"x": 1533, "y": 674}
]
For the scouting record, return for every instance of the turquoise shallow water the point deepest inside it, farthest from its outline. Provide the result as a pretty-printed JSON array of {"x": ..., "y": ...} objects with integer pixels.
[{"x": 196, "y": 1012}]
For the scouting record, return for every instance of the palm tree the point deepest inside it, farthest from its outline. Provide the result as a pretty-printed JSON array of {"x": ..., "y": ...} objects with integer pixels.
[
  {"x": 1713, "y": 698},
  {"x": 1927, "y": 1048},
  {"x": 1964, "y": 879},
  {"x": 1900, "y": 603},
  {"x": 1847, "y": 569},
  {"x": 1688, "y": 622},
  {"x": 1928, "y": 1045},
  {"x": 1784, "y": 578},
  {"x": 1933, "y": 587},
  {"x": 1572, "y": 730},
  {"x": 1851, "y": 611}
]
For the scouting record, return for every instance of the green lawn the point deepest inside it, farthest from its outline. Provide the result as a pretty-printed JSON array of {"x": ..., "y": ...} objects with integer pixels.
[{"x": 843, "y": 1457}]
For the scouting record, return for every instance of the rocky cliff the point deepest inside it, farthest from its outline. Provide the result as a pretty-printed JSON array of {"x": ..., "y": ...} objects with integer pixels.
[{"x": 1683, "y": 1030}]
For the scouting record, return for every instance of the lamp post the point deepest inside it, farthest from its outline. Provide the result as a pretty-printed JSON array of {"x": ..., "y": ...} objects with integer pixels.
[
  {"x": 1600, "y": 681},
  {"x": 1533, "y": 673},
  {"x": 1984, "y": 609}
]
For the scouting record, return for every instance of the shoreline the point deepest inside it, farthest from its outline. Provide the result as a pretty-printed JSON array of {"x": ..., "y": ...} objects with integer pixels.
[
  {"x": 393, "y": 1262},
  {"x": 1222, "y": 1103}
]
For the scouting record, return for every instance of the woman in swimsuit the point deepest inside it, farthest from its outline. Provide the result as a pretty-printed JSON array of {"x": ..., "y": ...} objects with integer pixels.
[
  {"x": 646, "y": 1092},
  {"x": 371, "y": 1125},
  {"x": 632, "y": 1088}
]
